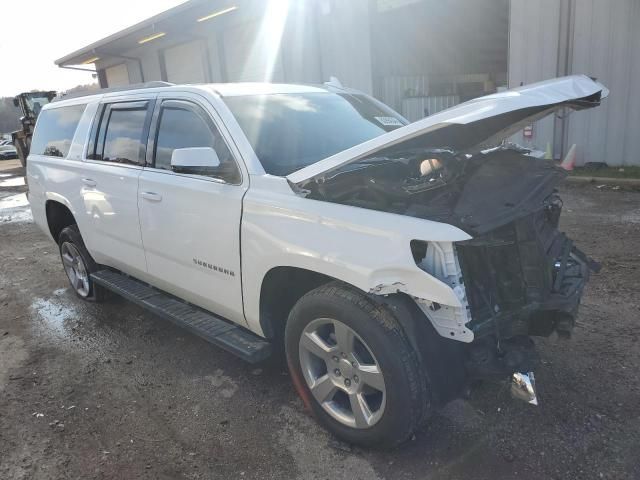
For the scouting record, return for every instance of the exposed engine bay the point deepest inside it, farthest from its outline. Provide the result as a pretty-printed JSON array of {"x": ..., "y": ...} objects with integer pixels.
[{"x": 476, "y": 193}]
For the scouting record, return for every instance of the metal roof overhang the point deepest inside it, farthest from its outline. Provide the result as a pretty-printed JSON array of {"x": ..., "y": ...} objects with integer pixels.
[{"x": 176, "y": 19}]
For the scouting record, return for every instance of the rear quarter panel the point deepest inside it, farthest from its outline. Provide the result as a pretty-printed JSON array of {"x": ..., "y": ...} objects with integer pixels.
[{"x": 58, "y": 179}]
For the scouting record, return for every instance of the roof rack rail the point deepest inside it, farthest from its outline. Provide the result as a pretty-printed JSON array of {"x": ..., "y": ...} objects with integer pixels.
[{"x": 124, "y": 88}]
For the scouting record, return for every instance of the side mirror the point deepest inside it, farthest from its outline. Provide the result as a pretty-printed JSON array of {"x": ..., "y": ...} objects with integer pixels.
[{"x": 195, "y": 160}]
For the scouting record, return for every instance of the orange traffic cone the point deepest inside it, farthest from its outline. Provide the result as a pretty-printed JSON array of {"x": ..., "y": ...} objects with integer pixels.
[{"x": 570, "y": 159}]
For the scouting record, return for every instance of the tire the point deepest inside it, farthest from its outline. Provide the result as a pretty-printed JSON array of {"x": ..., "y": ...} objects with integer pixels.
[
  {"x": 73, "y": 250},
  {"x": 403, "y": 392}
]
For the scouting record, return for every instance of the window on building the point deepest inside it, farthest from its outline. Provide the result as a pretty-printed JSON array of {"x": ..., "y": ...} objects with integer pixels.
[{"x": 55, "y": 130}]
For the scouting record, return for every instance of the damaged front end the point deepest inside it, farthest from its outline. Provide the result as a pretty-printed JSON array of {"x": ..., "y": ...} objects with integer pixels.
[
  {"x": 519, "y": 275},
  {"x": 522, "y": 279}
]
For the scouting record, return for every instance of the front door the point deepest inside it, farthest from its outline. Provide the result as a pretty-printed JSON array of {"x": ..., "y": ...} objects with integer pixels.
[{"x": 191, "y": 223}]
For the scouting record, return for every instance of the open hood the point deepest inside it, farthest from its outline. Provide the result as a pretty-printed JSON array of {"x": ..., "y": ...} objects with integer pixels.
[{"x": 471, "y": 126}]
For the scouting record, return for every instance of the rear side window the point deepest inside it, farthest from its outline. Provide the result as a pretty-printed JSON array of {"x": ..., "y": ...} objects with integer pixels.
[
  {"x": 121, "y": 135},
  {"x": 123, "y": 139},
  {"x": 55, "y": 130}
]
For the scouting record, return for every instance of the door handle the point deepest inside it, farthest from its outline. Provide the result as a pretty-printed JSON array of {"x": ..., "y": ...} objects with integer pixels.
[
  {"x": 89, "y": 182},
  {"x": 152, "y": 196}
]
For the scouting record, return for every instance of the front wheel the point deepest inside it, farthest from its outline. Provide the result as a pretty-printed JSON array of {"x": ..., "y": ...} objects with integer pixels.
[{"x": 354, "y": 367}]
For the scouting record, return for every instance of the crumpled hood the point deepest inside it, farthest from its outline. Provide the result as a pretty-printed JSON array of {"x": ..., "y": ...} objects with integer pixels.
[{"x": 474, "y": 125}]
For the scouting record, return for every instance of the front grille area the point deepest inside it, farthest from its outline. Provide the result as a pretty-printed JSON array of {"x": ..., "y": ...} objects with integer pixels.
[{"x": 509, "y": 273}]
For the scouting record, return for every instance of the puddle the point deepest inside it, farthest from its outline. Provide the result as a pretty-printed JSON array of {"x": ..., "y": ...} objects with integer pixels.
[
  {"x": 19, "y": 216},
  {"x": 227, "y": 387},
  {"x": 13, "y": 182},
  {"x": 15, "y": 209},
  {"x": 14, "y": 201},
  {"x": 53, "y": 313}
]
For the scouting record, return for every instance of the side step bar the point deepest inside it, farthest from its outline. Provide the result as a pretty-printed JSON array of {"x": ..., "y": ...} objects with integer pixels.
[{"x": 232, "y": 338}]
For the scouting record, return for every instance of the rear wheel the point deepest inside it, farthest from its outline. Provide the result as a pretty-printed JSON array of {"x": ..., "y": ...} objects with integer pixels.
[
  {"x": 78, "y": 265},
  {"x": 354, "y": 367}
]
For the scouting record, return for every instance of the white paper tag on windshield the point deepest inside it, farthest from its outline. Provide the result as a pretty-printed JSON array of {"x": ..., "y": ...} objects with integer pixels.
[{"x": 389, "y": 121}]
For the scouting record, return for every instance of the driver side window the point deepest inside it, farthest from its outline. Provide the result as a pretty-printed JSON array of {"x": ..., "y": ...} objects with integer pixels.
[{"x": 184, "y": 125}]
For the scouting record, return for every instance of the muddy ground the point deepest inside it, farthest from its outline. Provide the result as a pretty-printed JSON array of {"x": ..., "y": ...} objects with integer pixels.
[{"x": 109, "y": 391}]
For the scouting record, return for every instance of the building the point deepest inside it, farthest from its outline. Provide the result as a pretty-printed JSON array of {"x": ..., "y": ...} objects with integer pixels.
[
  {"x": 551, "y": 38},
  {"x": 418, "y": 56},
  {"x": 369, "y": 45}
]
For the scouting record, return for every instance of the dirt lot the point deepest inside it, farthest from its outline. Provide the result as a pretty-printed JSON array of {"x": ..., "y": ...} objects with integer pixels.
[{"x": 108, "y": 391}]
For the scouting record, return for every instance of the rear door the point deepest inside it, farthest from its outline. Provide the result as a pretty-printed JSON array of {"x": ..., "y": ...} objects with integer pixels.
[
  {"x": 191, "y": 223},
  {"x": 115, "y": 157}
]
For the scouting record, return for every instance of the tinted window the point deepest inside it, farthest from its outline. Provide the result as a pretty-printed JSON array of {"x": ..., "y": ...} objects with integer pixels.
[
  {"x": 55, "y": 131},
  {"x": 189, "y": 126},
  {"x": 123, "y": 142},
  {"x": 290, "y": 131}
]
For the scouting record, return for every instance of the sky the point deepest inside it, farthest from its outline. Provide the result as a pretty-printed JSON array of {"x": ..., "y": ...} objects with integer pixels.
[{"x": 37, "y": 32}]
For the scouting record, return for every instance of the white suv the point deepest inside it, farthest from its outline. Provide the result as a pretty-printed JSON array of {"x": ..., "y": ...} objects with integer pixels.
[{"x": 395, "y": 261}]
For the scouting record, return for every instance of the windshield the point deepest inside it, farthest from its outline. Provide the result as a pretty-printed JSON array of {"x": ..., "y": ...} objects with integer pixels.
[
  {"x": 290, "y": 131},
  {"x": 35, "y": 102}
]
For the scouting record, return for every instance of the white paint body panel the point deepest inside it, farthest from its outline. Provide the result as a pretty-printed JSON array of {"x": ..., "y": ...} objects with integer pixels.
[
  {"x": 112, "y": 231},
  {"x": 261, "y": 224},
  {"x": 365, "y": 248},
  {"x": 195, "y": 220}
]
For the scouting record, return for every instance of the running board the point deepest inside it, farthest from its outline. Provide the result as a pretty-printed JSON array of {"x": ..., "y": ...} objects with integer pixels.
[{"x": 213, "y": 329}]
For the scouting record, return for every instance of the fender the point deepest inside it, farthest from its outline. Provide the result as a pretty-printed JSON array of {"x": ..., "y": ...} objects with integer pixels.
[
  {"x": 56, "y": 197},
  {"x": 367, "y": 249}
]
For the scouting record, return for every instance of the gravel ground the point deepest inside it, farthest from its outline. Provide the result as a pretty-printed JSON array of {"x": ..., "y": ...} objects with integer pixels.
[{"x": 109, "y": 391}]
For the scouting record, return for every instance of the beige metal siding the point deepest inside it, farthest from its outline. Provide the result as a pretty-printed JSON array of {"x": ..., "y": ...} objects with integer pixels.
[
  {"x": 344, "y": 41},
  {"x": 117, "y": 76},
  {"x": 598, "y": 38},
  {"x": 607, "y": 46},
  {"x": 250, "y": 55},
  {"x": 533, "y": 55},
  {"x": 185, "y": 63}
]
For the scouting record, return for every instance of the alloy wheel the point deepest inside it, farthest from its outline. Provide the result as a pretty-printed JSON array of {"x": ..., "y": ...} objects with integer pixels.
[
  {"x": 76, "y": 269},
  {"x": 342, "y": 373}
]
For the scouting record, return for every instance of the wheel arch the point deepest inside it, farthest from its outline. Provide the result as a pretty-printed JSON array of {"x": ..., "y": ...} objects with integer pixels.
[
  {"x": 281, "y": 288},
  {"x": 59, "y": 216},
  {"x": 444, "y": 357}
]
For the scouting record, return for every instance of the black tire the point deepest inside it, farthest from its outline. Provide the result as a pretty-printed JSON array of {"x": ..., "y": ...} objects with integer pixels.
[
  {"x": 407, "y": 395},
  {"x": 72, "y": 235}
]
